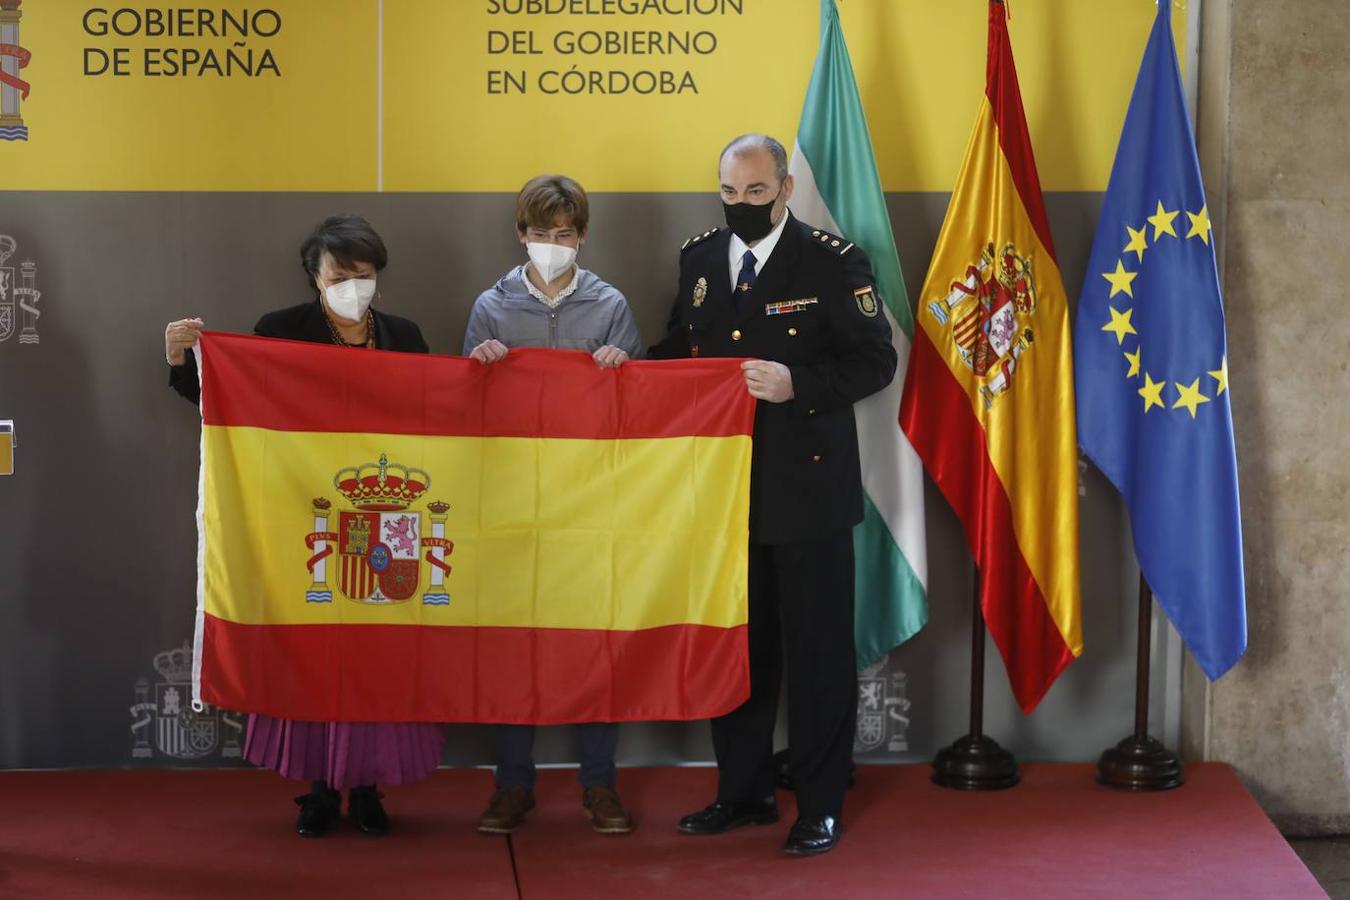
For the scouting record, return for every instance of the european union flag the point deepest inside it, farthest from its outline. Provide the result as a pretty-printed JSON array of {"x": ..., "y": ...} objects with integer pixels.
[{"x": 1151, "y": 367}]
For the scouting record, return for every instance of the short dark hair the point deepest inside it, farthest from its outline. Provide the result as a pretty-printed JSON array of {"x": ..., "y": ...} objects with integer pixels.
[
  {"x": 745, "y": 144},
  {"x": 348, "y": 239},
  {"x": 546, "y": 197}
]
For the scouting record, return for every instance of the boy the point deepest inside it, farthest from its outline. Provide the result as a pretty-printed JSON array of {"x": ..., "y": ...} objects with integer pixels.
[{"x": 550, "y": 301}]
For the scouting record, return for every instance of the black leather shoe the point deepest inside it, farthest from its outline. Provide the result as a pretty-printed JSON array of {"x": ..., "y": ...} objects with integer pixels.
[
  {"x": 364, "y": 809},
  {"x": 319, "y": 811},
  {"x": 812, "y": 835},
  {"x": 722, "y": 816}
]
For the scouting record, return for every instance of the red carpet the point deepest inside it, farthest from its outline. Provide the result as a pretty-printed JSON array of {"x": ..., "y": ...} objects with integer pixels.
[{"x": 227, "y": 834}]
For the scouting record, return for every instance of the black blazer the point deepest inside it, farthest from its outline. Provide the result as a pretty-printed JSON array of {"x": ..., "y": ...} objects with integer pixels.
[
  {"x": 805, "y": 480},
  {"x": 306, "y": 322}
]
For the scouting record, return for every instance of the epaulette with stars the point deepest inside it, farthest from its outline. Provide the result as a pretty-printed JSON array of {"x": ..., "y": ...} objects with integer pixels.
[
  {"x": 830, "y": 242},
  {"x": 699, "y": 238}
]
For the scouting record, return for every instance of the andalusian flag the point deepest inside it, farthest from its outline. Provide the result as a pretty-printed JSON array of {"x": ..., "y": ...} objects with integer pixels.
[
  {"x": 838, "y": 189},
  {"x": 401, "y": 537},
  {"x": 988, "y": 398}
]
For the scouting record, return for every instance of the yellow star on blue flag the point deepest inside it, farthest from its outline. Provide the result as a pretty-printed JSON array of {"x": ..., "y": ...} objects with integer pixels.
[{"x": 1173, "y": 462}]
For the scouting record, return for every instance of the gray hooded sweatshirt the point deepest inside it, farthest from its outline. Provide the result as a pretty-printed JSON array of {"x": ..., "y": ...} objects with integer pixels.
[{"x": 593, "y": 315}]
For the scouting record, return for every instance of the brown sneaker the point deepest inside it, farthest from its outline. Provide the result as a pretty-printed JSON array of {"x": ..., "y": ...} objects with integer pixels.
[
  {"x": 506, "y": 811},
  {"x": 605, "y": 810}
]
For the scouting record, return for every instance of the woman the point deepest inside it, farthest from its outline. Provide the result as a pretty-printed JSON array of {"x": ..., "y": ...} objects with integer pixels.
[{"x": 342, "y": 260}]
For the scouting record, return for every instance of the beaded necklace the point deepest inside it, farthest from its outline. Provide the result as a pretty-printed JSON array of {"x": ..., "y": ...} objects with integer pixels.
[{"x": 338, "y": 339}]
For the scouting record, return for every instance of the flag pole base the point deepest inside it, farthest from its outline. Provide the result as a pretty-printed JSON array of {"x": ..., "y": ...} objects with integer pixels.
[
  {"x": 1140, "y": 764},
  {"x": 975, "y": 763}
]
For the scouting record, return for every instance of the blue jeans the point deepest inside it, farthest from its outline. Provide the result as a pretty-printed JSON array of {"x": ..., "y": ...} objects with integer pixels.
[{"x": 596, "y": 743}]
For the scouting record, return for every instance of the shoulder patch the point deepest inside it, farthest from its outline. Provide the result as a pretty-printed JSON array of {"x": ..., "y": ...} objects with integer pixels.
[
  {"x": 699, "y": 238},
  {"x": 866, "y": 298},
  {"x": 831, "y": 243}
]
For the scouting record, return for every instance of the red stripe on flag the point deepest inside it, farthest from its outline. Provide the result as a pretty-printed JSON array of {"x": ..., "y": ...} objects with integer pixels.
[
  {"x": 392, "y": 673},
  {"x": 531, "y": 393},
  {"x": 1005, "y": 97},
  {"x": 936, "y": 415}
]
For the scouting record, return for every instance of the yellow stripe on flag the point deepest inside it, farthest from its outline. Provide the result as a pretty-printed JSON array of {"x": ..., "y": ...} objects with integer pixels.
[{"x": 576, "y": 521}]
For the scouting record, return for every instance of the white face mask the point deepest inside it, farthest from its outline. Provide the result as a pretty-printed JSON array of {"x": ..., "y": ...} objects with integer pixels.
[
  {"x": 351, "y": 298},
  {"x": 551, "y": 260}
]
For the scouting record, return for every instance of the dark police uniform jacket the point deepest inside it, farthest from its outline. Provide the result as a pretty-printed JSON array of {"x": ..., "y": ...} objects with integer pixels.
[{"x": 815, "y": 309}]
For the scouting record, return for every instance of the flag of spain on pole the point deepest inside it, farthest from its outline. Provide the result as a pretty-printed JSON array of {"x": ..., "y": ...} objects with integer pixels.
[
  {"x": 400, "y": 537},
  {"x": 988, "y": 399}
]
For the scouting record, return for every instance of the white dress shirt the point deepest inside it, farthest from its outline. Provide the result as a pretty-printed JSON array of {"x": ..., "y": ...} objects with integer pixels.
[{"x": 761, "y": 250}]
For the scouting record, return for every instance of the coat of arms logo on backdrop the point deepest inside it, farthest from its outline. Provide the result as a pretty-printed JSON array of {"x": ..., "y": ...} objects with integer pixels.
[
  {"x": 18, "y": 295},
  {"x": 883, "y": 710},
  {"x": 164, "y": 722},
  {"x": 13, "y": 59}
]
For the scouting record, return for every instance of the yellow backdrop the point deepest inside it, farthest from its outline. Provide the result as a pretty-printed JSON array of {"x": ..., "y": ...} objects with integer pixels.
[{"x": 462, "y": 95}]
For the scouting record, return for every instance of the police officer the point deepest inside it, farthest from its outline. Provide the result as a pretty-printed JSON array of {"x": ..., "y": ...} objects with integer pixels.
[{"x": 801, "y": 304}]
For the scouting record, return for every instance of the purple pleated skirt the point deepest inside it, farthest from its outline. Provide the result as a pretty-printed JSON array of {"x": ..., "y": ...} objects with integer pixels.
[{"x": 345, "y": 754}]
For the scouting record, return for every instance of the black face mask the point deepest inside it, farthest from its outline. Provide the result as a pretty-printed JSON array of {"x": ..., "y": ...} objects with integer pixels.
[{"x": 748, "y": 221}]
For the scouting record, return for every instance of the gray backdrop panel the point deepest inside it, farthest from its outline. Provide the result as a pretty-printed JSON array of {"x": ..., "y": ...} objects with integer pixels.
[{"x": 97, "y": 540}]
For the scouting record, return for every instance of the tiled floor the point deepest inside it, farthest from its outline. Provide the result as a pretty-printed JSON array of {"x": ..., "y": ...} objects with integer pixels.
[{"x": 1329, "y": 860}]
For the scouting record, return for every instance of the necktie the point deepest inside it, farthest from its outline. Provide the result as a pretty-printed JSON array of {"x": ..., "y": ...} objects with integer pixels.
[{"x": 745, "y": 282}]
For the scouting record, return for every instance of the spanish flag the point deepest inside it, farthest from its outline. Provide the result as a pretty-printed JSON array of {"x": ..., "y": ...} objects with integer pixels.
[
  {"x": 401, "y": 537},
  {"x": 988, "y": 400}
]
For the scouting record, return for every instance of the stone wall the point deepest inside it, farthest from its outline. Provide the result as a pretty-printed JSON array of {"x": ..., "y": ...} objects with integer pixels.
[{"x": 1274, "y": 93}]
